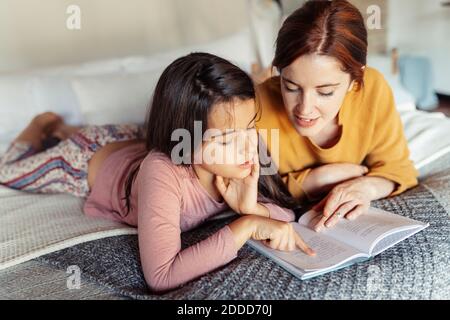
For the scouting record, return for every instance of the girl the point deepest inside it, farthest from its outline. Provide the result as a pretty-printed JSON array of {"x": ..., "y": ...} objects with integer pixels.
[
  {"x": 132, "y": 177},
  {"x": 340, "y": 133}
]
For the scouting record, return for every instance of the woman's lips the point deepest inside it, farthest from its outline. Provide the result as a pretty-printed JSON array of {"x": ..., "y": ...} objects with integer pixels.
[{"x": 305, "y": 122}]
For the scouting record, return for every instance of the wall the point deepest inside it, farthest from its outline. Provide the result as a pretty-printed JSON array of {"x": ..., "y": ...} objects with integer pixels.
[
  {"x": 34, "y": 34},
  {"x": 377, "y": 37},
  {"x": 423, "y": 27}
]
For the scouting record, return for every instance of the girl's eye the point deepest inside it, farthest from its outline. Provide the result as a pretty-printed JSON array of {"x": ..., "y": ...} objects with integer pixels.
[{"x": 329, "y": 94}]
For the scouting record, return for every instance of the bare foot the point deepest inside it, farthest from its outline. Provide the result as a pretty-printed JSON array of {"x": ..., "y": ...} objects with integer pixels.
[
  {"x": 45, "y": 126},
  {"x": 63, "y": 131},
  {"x": 38, "y": 129}
]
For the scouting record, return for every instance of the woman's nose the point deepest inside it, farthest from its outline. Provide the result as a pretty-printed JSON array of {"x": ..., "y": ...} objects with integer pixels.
[{"x": 305, "y": 103}]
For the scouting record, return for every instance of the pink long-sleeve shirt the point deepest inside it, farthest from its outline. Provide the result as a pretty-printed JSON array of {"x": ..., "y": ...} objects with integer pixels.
[{"x": 166, "y": 199}]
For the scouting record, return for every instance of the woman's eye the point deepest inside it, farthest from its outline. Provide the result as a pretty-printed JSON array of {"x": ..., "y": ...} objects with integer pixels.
[
  {"x": 328, "y": 94},
  {"x": 290, "y": 89}
]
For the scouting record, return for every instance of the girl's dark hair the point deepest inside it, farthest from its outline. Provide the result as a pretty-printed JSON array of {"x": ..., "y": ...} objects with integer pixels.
[
  {"x": 186, "y": 92},
  {"x": 333, "y": 28}
]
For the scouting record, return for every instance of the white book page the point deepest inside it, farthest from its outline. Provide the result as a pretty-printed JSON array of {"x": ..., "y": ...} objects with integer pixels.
[
  {"x": 364, "y": 232},
  {"x": 392, "y": 239},
  {"x": 329, "y": 252}
]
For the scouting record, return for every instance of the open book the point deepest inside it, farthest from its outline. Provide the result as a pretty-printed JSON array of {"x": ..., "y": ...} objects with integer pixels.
[{"x": 346, "y": 243}]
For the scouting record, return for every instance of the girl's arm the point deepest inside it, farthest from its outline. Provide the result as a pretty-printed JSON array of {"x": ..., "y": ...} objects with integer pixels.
[
  {"x": 165, "y": 264},
  {"x": 272, "y": 211}
]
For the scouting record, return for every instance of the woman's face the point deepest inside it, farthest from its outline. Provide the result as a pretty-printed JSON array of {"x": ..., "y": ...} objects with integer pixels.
[
  {"x": 230, "y": 144},
  {"x": 313, "y": 89}
]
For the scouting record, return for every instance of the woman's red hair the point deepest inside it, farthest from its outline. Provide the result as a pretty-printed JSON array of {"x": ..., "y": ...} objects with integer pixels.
[{"x": 332, "y": 28}]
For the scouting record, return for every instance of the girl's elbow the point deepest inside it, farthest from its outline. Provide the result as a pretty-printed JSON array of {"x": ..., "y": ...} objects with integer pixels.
[{"x": 158, "y": 286}]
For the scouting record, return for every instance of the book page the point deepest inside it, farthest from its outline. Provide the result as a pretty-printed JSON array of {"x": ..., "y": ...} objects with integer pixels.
[
  {"x": 393, "y": 239},
  {"x": 329, "y": 252},
  {"x": 363, "y": 232}
]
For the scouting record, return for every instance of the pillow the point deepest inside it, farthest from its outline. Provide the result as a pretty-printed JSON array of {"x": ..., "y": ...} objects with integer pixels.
[
  {"x": 23, "y": 96},
  {"x": 265, "y": 20},
  {"x": 98, "y": 92},
  {"x": 236, "y": 48},
  {"x": 115, "y": 98},
  {"x": 83, "y": 69},
  {"x": 56, "y": 94},
  {"x": 17, "y": 107}
]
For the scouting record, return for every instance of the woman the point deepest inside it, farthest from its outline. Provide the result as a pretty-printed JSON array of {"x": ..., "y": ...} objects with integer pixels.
[{"x": 339, "y": 131}]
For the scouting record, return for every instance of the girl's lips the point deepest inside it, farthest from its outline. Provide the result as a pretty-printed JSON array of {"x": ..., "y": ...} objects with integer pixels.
[{"x": 305, "y": 122}]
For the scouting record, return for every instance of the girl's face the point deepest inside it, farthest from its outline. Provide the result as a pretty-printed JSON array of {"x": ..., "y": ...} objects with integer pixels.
[
  {"x": 313, "y": 89},
  {"x": 230, "y": 144}
]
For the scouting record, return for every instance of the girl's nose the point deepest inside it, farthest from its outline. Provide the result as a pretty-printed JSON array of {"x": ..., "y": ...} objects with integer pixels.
[{"x": 250, "y": 145}]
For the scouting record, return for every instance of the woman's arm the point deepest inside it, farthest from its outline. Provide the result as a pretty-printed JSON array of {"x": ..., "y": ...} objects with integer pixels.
[
  {"x": 322, "y": 179},
  {"x": 351, "y": 199},
  {"x": 391, "y": 171},
  {"x": 388, "y": 156}
]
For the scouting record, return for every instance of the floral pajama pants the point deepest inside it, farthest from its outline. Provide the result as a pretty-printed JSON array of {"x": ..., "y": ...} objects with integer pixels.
[{"x": 62, "y": 168}]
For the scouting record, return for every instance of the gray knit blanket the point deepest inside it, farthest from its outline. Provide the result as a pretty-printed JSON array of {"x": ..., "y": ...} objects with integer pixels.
[{"x": 416, "y": 268}]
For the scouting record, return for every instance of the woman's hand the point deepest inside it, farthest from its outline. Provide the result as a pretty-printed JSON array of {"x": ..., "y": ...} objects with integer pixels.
[
  {"x": 241, "y": 195},
  {"x": 322, "y": 179},
  {"x": 351, "y": 199}
]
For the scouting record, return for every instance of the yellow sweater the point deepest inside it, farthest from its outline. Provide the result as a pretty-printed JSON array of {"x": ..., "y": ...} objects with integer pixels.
[{"x": 372, "y": 134}]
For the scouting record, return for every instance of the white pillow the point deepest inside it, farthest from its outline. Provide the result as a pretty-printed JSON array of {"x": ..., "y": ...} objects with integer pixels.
[
  {"x": 236, "y": 48},
  {"x": 265, "y": 21},
  {"x": 56, "y": 94},
  {"x": 115, "y": 98},
  {"x": 94, "y": 67},
  {"x": 24, "y": 96},
  {"x": 105, "y": 91},
  {"x": 17, "y": 106}
]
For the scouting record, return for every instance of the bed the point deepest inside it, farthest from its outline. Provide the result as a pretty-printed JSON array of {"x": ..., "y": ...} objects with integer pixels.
[
  {"x": 46, "y": 240},
  {"x": 417, "y": 268}
]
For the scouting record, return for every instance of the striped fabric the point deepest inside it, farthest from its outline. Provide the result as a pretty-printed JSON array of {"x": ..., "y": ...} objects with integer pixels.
[{"x": 64, "y": 167}]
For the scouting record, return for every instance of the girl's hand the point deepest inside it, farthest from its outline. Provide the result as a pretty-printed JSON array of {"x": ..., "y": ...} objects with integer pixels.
[
  {"x": 351, "y": 199},
  {"x": 242, "y": 194},
  {"x": 278, "y": 235}
]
